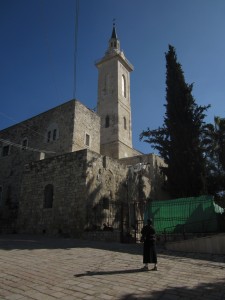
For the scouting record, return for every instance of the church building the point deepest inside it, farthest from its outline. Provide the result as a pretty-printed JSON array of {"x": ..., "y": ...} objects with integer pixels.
[{"x": 71, "y": 168}]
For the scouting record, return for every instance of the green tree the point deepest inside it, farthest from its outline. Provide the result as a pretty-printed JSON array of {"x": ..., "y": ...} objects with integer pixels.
[
  {"x": 179, "y": 139},
  {"x": 214, "y": 140}
]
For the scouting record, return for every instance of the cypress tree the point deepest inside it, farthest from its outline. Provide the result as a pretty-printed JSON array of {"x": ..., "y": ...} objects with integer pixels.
[{"x": 179, "y": 139}]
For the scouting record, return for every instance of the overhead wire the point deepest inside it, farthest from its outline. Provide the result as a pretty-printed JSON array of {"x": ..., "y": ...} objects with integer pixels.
[
  {"x": 22, "y": 125},
  {"x": 53, "y": 77},
  {"x": 29, "y": 128},
  {"x": 50, "y": 61},
  {"x": 24, "y": 147},
  {"x": 49, "y": 49},
  {"x": 75, "y": 48}
]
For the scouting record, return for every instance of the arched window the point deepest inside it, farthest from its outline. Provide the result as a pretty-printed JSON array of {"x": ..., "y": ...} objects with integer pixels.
[
  {"x": 5, "y": 150},
  {"x": 107, "y": 84},
  {"x": 124, "y": 123},
  {"x": 9, "y": 196},
  {"x": 48, "y": 196},
  {"x": 52, "y": 133},
  {"x": 87, "y": 140},
  {"x": 48, "y": 136},
  {"x": 105, "y": 203},
  {"x": 123, "y": 86},
  {"x": 24, "y": 143},
  {"x": 107, "y": 122}
]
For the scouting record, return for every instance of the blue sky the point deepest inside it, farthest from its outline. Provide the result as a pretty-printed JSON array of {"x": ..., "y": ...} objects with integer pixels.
[{"x": 37, "y": 54}]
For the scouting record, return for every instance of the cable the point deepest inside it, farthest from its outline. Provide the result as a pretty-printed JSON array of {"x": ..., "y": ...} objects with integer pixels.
[
  {"x": 49, "y": 49},
  {"x": 53, "y": 77},
  {"x": 75, "y": 47},
  {"x": 24, "y": 147},
  {"x": 21, "y": 124},
  {"x": 18, "y": 145}
]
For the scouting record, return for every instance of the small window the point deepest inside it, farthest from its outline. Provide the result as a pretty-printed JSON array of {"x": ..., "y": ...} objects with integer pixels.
[
  {"x": 87, "y": 140},
  {"x": 49, "y": 136},
  {"x": 107, "y": 122},
  {"x": 9, "y": 196},
  {"x": 105, "y": 203},
  {"x": 5, "y": 150},
  {"x": 123, "y": 86},
  {"x": 24, "y": 144},
  {"x": 104, "y": 162},
  {"x": 124, "y": 123},
  {"x": 48, "y": 196},
  {"x": 1, "y": 197},
  {"x": 54, "y": 134},
  {"x": 107, "y": 81}
]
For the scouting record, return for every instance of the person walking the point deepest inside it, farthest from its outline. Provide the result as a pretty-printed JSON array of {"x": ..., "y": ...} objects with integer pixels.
[{"x": 149, "y": 247}]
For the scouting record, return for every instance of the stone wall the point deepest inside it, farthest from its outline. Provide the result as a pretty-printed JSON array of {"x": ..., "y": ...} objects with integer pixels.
[
  {"x": 36, "y": 129},
  {"x": 106, "y": 236},
  {"x": 106, "y": 179},
  {"x": 210, "y": 244},
  {"x": 86, "y": 122},
  {"x": 118, "y": 150},
  {"x": 125, "y": 151},
  {"x": 145, "y": 178},
  {"x": 80, "y": 181},
  {"x": 60, "y": 130},
  {"x": 67, "y": 174},
  {"x": 86, "y": 185}
]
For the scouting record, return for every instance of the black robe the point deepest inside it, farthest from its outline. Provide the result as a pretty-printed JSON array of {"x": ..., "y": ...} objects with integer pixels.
[{"x": 149, "y": 248}]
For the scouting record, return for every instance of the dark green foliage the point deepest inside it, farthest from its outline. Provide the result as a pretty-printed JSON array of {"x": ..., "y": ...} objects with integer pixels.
[
  {"x": 214, "y": 140},
  {"x": 179, "y": 139}
]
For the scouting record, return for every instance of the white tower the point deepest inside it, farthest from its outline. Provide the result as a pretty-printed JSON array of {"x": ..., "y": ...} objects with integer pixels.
[{"x": 114, "y": 106}]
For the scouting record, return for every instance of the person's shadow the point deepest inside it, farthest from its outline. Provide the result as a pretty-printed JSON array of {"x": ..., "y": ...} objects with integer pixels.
[{"x": 93, "y": 273}]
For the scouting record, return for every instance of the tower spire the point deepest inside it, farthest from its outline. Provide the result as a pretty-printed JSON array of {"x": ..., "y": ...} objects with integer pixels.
[
  {"x": 114, "y": 43},
  {"x": 114, "y": 35},
  {"x": 114, "y": 107}
]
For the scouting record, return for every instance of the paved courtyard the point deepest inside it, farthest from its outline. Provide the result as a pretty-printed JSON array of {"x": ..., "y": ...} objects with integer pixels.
[{"x": 33, "y": 267}]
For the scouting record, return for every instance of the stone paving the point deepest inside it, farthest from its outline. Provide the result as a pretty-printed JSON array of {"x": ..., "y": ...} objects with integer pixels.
[{"x": 42, "y": 268}]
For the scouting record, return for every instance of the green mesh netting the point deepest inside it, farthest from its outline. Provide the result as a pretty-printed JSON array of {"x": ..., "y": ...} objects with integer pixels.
[{"x": 194, "y": 214}]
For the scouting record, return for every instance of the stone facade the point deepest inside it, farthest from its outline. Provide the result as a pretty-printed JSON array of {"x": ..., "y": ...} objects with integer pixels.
[
  {"x": 79, "y": 180},
  {"x": 86, "y": 129},
  {"x": 118, "y": 150},
  {"x": 144, "y": 171},
  {"x": 70, "y": 169},
  {"x": 60, "y": 130}
]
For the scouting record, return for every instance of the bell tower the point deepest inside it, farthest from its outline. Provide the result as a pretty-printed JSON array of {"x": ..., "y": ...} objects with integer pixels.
[{"x": 114, "y": 106}]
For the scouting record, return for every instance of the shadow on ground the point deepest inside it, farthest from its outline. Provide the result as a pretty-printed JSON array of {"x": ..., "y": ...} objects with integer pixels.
[
  {"x": 215, "y": 291},
  {"x": 115, "y": 272},
  {"x": 32, "y": 242}
]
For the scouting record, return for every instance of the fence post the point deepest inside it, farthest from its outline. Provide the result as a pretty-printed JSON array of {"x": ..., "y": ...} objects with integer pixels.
[
  {"x": 184, "y": 236},
  {"x": 135, "y": 224},
  {"x": 203, "y": 226},
  {"x": 121, "y": 225}
]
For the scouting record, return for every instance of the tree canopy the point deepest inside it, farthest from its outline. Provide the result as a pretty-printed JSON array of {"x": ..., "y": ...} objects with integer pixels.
[
  {"x": 179, "y": 140},
  {"x": 214, "y": 140}
]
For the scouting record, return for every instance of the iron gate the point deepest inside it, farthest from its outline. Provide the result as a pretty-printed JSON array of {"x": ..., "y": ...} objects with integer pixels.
[{"x": 128, "y": 218}]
